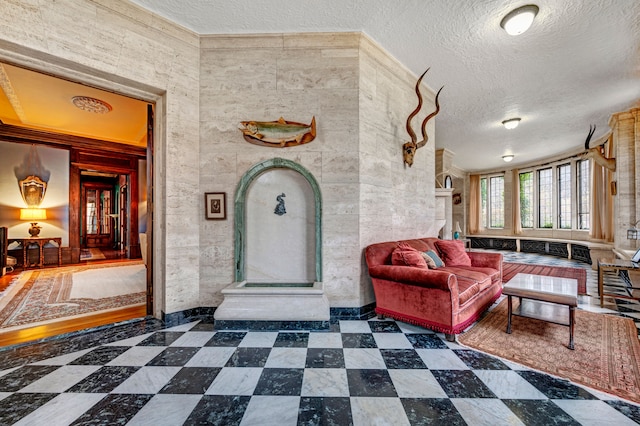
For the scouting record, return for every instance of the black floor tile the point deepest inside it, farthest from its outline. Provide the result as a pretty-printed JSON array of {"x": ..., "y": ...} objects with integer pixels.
[
  {"x": 114, "y": 409},
  {"x": 462, "y": 384},
  {"x": 174, "y": 356},
  {"x": 629, "y": 410},
  {"x": 280, "y": 381},
  {"x": 161, "y": 338},
  {"x": 23, "y": 376},
  {"x": 432, "y": 411},
  {"x": 324, "y": 411},
  {"x": 226, "y": 338},
  {"x": 370, "y": 382},
  {"x": 325, "y": 358},
  {"x": 19, "y": 405},
  {"x": 100, "y": 355},
  {"x": 249, "y": 357},
  {"x": 479, "y": 361},
  {"x": 221, "y": 410},
  {"x": 292, "y": 340},
  {"x": 402, "y": 358},
  {"x": 539, "y": 412},
  {"x": 384, "y": 327},
  {"x": 554, "y": 388},
  {"x": 358, "y": 340},
  {"x": 104, "y": 380},
  {"x": 191, "y": 380},
  {"x": 426, "y": 341}
]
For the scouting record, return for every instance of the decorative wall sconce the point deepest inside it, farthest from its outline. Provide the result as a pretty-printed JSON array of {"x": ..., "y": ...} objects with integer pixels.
[
  {"x": 32, "y": 189},
  {"x": 633, "y": 232},
  {"x": 33, "y": 215}
]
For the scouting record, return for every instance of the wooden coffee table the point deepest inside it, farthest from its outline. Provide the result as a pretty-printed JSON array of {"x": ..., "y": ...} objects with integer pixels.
[{"x": 544, "y": 298}]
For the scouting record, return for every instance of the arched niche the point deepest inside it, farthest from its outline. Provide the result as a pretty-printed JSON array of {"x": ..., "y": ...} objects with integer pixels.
[{"x": 241, "y": 205}]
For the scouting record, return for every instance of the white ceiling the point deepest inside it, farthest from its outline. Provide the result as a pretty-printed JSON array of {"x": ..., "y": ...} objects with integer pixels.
[{"x": 578, "y": 64}]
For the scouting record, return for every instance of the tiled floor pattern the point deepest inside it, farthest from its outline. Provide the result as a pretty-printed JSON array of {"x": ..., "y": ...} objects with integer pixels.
[{"x": 360, "y": 372}]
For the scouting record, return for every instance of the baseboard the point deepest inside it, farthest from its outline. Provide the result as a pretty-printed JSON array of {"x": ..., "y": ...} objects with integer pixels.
[{"x": 206, "y": 314}]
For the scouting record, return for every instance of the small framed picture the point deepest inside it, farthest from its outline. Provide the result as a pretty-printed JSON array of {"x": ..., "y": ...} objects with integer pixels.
[
  {"x": 215, "y": 204},
  {"x": 636, "y": 257}
]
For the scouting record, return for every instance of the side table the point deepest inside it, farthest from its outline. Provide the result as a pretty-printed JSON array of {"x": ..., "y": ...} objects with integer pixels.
[
  {"x": 613, "y": 265},
  {"x": 40, "y": 242}
]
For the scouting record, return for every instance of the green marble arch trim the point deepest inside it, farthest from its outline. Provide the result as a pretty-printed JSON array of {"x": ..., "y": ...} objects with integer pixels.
[{"x": 240, "y": 205}]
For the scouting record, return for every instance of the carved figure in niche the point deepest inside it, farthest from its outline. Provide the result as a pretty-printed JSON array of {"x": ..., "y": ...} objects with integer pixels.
[
  {"x": 597, "y": 153},
  {"x": 280, "y": 209},
  {"x": 409, "y": 148}
]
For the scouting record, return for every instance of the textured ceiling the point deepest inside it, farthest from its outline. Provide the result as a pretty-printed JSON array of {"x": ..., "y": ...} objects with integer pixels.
[{"x": 578, "y": 64}]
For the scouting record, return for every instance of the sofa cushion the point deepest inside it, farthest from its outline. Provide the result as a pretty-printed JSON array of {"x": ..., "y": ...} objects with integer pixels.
[
  {"x": 453, "y": 252},
  {"x": 470, "y": 273},
  {"x": 432, "y": 259},
  {"x": 466, "y": 289},
  {"x": 405, "y": 255}
]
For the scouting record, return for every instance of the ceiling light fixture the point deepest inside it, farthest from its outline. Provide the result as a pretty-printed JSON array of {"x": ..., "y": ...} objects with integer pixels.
[
  {"x": 86, "y": 103},
  {"x": 511, "y": 123},
  {"x": 519, "y": 20},
  {"x": 507, "y": 158}
]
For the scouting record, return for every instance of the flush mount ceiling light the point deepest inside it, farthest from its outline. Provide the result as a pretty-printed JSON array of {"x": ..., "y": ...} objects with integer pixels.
[
  {"x": 511, "y": 123},
  {"x": 519, "y": 20},
  {"x": 507, "y": 158},
  {"x": 86, "y": 103}
]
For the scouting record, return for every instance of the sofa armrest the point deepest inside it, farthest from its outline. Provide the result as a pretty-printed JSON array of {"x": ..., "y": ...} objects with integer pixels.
[
  {"x": 422, "y": 277},
  {"x": 486, "y": 260}
]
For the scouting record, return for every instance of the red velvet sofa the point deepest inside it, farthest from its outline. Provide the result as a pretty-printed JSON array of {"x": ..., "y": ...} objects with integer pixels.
[{"x": 447, "y": 299}]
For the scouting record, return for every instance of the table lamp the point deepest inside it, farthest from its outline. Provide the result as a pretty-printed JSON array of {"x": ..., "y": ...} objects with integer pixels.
[{"x": 33, "y": 215}]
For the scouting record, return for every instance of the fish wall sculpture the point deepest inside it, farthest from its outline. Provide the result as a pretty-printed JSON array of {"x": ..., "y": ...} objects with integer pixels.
[{"x": 278, "y": 134}]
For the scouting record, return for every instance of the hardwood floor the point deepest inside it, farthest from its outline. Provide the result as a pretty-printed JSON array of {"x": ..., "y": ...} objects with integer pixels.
[{"x": 67, "y": 325}]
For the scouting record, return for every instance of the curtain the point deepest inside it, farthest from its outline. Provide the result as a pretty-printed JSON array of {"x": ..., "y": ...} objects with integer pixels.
[
  {"x": 515, "y": 203},
  {"x": 475, "y": 206},
  {"x": 602, "y": 199}
]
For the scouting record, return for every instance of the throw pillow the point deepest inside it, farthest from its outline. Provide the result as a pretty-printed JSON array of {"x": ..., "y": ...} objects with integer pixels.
[
  {"x": 433, "y": 260},
  {"x": 405, "y": 255},
  {"x": 453, "y": 253}
]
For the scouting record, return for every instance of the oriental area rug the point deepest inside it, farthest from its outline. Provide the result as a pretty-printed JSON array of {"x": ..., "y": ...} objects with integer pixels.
[
  {"x": 509, "y": 270},
  {"x": 41, "y": 295},
  {"x": 606, "y": 355}
]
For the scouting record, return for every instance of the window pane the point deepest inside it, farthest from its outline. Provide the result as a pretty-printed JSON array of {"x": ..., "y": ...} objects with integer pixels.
[
  {"x": 496, "y": 202},
  {"x": 483, "y": 198},
  {"x": 526, "y": 199},
  {"x": 584, "y": 194},
  {"x": 545, "y": 198},
  {"x": 564, "y": 196}
]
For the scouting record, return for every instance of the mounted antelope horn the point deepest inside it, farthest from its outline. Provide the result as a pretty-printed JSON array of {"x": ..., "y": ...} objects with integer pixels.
[
  {"x": 592, "y": 129},
  {"x": 596, "y": 153},
  {"x": 409, "y": 148}
]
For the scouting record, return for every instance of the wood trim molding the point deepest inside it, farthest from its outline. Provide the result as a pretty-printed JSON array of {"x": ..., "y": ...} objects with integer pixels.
[{"x": 16, "y": 134}]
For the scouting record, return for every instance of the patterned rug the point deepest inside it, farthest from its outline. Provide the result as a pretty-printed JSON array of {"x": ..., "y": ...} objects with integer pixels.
[
  {"x": 45, "y": 295},
  {"x": 606, "y": 355},
  {"x": 509, "y": 270}
]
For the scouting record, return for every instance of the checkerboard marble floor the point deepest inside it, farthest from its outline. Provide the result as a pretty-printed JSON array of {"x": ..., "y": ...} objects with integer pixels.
[{"x": 359, "y": 372}]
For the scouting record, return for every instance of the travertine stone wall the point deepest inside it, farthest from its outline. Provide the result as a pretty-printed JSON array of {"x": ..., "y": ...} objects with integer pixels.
[
  {"x": 203, "y": 87},
  {"x": 360, "y": 98},
  {"x": 626, "y": 135},
  {"x": 117, "y": 46}
]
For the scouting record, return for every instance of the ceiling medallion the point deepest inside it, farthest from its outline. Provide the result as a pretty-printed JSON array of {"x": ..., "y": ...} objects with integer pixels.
[{"x": 86, "y": 103}]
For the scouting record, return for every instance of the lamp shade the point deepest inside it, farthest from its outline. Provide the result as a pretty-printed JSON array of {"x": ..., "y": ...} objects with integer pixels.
[{"x": 33, "y": 214}]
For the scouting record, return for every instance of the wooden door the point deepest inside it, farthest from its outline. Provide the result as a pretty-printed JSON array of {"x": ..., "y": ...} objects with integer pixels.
[{"x": 97, "y": 215}]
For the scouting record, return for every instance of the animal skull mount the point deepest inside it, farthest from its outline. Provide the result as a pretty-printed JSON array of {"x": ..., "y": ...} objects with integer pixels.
[
  {"x": 596, "y": 154},
  {"x": 409, "y": 148}
]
